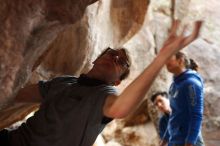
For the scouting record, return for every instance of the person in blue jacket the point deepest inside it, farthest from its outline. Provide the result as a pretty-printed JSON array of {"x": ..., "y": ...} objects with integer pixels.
[
  {"x": 161, "y": 101},
  {"x": 186, "y": 100}
]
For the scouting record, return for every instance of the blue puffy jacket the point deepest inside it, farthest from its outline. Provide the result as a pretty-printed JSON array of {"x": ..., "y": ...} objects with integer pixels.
[
  {"x": 186, "y": 100},
  {"x": 163, "y": 132}
]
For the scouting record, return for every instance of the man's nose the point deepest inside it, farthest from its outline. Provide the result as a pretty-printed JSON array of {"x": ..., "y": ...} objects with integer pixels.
[{"x": 159, "y": 104}]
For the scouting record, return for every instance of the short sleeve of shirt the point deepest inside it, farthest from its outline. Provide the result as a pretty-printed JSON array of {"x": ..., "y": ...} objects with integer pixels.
[
  {"x": 109, "y": 90},
  {"x": 45, "y": 86}
]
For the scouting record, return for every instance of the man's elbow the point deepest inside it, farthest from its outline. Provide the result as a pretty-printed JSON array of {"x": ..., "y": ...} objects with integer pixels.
[{"x": 116, "y": 113}]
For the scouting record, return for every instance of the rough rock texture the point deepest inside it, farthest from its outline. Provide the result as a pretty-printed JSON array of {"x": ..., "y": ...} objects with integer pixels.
[
  {"x": 28, "y": 27},
  {"x": 45, "y": 38}
]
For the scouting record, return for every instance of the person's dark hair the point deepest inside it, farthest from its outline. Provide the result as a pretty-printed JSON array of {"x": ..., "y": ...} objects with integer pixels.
[
  {"x": 103, "y": 52},
  {"x": 125, "y": 74},
  {"x": 128, "y": 60},
  {"x": 193, "y": 65},
  {"x": 162, "y": 93},
  {"x": 189, "y": 63}
]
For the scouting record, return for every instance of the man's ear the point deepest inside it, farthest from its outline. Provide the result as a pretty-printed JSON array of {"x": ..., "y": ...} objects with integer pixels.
[{"x": 116, "y": 83}]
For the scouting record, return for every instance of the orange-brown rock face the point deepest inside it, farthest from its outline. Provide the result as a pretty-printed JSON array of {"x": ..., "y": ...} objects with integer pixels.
[{"x": 127, "y": 17}]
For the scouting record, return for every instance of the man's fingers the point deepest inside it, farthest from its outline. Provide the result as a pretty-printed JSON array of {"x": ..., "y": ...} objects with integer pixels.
[
  {"x": 197, "y": 27},
  {"x": 196, "y": 30},
  {"x": 198, "y": 24},
  {"x": 176, "y": 42},
  {"x": 183, "y": 30},
  {"x": 174, "y": 27},
  {"x": 194, "y": 35},
  {"x": 172, "y": 32}
]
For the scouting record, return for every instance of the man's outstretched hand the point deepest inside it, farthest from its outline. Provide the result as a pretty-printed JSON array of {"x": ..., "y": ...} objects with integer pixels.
[
  {"x": 175, "y": 42},
  {"x": 187, "y": 40}
]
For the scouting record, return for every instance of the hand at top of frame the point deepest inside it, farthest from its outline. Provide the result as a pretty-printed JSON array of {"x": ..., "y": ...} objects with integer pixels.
[{"x": 175, "y": 42}]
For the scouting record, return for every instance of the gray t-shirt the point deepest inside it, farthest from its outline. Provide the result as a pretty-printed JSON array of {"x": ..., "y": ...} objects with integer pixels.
[{"x": 70, "y": 114}]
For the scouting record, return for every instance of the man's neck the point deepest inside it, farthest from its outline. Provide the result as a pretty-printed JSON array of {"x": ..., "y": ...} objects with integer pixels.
[{"x": 93, "y": 74}]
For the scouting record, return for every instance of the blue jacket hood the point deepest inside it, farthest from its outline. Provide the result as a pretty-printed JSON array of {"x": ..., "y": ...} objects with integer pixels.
[{"x": 187, "y": 74}]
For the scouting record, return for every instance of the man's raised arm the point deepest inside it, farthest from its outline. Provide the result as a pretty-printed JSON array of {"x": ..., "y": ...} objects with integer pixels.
[{"x": 120, "y": 106}]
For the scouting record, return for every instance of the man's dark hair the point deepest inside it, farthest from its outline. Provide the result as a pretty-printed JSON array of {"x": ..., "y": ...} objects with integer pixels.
[
  {"x": 128, "y": 60},
  {"x": 162, "y": 93}
]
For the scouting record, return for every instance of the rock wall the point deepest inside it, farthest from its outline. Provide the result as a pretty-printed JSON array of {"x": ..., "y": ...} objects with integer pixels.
[{"x": 28, "y": 27}]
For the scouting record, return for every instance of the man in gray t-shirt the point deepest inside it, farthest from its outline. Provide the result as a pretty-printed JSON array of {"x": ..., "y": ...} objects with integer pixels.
[
  {"x": 66, "y": 118},
  {"x": 74, "y": 110}
]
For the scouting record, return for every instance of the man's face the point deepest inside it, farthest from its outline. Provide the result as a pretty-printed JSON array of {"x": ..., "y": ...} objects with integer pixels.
[
  {"x": 119, "y": 57},
  {"x": 112, "y": 63},
  {"x": 162, "y": 103}
]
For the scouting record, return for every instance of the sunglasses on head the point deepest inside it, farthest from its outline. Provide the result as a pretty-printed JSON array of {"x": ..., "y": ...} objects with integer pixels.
[{"x": 119, "y": 59}]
